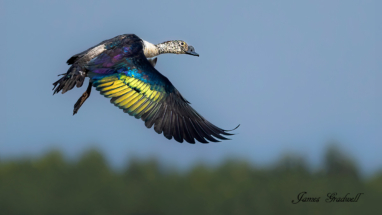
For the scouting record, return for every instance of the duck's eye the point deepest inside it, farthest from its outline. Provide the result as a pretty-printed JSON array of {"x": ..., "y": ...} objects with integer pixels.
[{"x": 182, "y": 43}]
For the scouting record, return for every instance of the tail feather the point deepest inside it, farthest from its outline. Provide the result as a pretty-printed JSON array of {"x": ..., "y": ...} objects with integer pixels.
[{"x": 74, "y": 77}]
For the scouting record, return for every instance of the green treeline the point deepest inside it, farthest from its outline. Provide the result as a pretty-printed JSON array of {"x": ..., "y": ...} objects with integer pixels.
[{"x": 53, "y": 185}]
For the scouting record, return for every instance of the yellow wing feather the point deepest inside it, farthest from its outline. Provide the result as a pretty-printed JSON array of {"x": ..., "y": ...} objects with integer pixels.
[
  {"x": 137, "y": 104},
  {"x": 132, "y": 101},
  {"x": 129, "y": 93},
  {"x": 116, "y": 84},
  {"x": 117, "y": 92},
  {"x": 124, "y": 97},
  {"x": 128, "y": 100}
]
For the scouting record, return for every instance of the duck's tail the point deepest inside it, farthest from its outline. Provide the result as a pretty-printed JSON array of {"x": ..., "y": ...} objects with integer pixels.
[{"x": 74, "y": 77}]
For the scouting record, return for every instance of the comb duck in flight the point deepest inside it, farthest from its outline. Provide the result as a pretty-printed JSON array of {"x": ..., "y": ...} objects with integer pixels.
[{"x": 120, "y": 69}]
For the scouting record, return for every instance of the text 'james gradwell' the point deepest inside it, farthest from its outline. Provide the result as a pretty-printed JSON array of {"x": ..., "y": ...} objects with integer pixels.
[{"x": 331, "y": 197}]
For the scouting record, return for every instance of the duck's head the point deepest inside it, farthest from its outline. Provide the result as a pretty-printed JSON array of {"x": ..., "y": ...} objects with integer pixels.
[{"x": 176, "y": 47}]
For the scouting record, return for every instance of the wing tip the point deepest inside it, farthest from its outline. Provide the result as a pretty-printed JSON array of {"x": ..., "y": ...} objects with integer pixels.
[
  {"x": 225, "y": 131},
  {"x": 234, "y": 128}
]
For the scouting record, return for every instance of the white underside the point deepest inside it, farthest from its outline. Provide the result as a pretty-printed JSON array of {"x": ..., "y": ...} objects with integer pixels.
[{"x": 149, "y": 49}]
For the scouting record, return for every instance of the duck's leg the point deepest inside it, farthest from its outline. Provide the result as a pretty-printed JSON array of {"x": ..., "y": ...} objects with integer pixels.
[{"x": 83, "y": 98}]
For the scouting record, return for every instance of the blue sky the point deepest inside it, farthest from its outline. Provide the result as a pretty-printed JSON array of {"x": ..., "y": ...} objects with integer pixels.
[{"x": 295, "y": 75}]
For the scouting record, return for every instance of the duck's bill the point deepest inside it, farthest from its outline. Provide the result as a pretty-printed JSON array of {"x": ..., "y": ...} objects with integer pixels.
[{"x": 191, "y": 51}]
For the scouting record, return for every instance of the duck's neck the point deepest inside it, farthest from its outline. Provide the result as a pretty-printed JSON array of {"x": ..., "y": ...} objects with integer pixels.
[{"x": 150, "y": 50}]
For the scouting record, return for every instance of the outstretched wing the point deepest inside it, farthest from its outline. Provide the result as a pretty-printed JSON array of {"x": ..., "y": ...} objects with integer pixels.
[{"x": 134, "y": 85}]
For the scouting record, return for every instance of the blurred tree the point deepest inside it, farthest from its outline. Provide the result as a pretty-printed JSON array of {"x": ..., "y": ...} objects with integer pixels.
[
  {"x": 337, "y": 163},
  {"x": 53, "y": 185}
]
